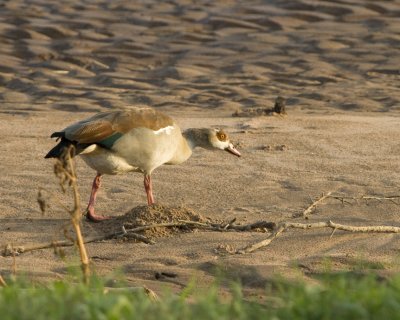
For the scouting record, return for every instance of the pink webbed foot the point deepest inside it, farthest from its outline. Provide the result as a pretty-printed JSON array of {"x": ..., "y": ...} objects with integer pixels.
[{"x": 91, "y": 216}]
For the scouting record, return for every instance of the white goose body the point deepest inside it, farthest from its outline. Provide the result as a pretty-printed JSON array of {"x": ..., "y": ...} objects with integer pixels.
[
  {"x": 141, "y": 150},
  {"x": 138, "y": 140}
]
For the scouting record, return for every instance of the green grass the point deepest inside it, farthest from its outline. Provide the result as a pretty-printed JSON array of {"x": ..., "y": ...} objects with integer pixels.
[{"x": 337, "y": 297}]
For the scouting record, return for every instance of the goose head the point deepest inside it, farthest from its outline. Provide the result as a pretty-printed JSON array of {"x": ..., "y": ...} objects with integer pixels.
[
  {"x": 210, "y": 139},
  {"x": 219, "y": 139}
]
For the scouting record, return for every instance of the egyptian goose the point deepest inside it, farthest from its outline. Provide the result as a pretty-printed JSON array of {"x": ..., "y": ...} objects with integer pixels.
[{"x": 138, "y": 140}]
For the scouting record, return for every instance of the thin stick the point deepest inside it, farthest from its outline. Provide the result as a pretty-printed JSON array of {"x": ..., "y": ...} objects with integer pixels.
[
  {"x": 307, "y": 211},
  {"x": 2, "y": 282},
  {"x": 9, "y": 251},
  {"x": 366, "y": 198},
  {"x": 232, "y": 227},
  {"x": 333, "y": 225},
  {"x": 328, "y": 224},
  {"x": 264, "y": 243},
  {"x": 62, "y": 243},
  {"x": 139, "y": 237},
  {"x": 256, "y": 225}
]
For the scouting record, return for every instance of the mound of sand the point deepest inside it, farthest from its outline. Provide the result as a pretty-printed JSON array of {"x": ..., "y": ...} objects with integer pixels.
[{"x": 152, "y": 215}]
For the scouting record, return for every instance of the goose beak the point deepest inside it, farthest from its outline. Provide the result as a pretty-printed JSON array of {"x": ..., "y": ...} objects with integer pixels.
[{"x": 233, "y": 150}]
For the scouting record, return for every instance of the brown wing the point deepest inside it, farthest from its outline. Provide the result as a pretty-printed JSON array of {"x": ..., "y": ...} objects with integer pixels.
[{"x": 105, "y": 124}]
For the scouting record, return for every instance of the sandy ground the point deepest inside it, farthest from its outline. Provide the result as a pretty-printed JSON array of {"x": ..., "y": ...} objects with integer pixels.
[{"x": 336, "y": 63}]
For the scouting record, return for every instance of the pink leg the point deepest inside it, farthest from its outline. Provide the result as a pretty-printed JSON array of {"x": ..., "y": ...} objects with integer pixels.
[
  {"x": 149, "y": 189},
  {"x": 90, "y": 209}
]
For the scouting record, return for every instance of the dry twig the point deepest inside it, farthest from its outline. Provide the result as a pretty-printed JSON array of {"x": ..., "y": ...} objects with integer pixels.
[
  {"x": 314, "y": 204},
  {"x": 230, "y": 226},
  {"x": 344, "y": 199},
  {"x": 263, "y": 243},
  {"x": 328, "y": 224}
]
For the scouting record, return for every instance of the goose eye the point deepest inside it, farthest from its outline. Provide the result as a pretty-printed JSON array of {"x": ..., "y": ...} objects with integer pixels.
[{"x": 221, "y": 136}]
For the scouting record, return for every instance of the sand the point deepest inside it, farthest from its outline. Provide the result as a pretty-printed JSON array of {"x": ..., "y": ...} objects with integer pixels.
[{"x": 335, "y": 62}]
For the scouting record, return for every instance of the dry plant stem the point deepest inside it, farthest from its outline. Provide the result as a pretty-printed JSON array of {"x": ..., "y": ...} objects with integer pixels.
[
  {"x": 14, "y": 265},
  {"x": 54, "y": 197},
  {"x": 2, "y": 282},
  {"x": 314, "y": 204},
  {"x": 76, "y": 217},
  {"x": 328, "y": 224},
  {"x": 82, "y": 251},
  {"x": 366, "y": 198},
  {"x": 379, "y": 198}
]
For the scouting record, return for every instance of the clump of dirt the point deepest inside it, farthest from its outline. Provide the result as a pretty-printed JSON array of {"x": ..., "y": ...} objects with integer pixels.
[
  {"x": 278, "y": 109},
  {"x": 151, "y": 215}
]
